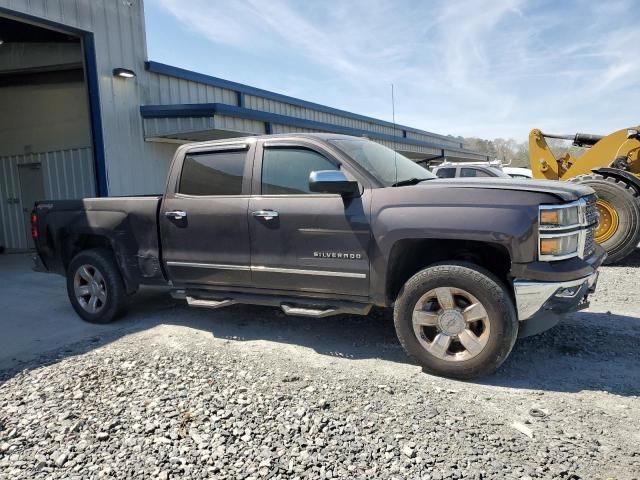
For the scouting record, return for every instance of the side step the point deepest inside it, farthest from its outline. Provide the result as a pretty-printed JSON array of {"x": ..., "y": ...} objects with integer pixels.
[
  {"x": 200, "y": 302},
  {"x": 300, "y": 307}
]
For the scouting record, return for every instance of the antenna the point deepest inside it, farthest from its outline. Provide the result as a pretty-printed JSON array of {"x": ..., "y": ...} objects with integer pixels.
[{"x": 395, "y": 151}]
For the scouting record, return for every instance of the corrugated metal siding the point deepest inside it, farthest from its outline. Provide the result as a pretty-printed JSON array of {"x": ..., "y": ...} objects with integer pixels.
[
  {"x": 453, "y": 143},
  {"x": 408, "y": 148},
  {"x": 66, "y": 174},
  {"x": 281, "y": 108},
  {"x": 167, "y": 90},
  {"x": 234, "y": 124}
]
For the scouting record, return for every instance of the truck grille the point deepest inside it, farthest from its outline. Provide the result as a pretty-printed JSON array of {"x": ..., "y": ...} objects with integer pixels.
[
  {"x": 589, "y": 242},
  {"x": 591, "y": 222},
  {"x": 591, "y": 213}
]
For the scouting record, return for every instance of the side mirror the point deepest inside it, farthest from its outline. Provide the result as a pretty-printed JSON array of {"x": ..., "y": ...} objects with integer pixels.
[{"x": 332, "y": 181}]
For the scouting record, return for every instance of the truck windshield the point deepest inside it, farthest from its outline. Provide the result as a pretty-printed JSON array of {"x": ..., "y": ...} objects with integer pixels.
[{"x": 382, "y": 162}]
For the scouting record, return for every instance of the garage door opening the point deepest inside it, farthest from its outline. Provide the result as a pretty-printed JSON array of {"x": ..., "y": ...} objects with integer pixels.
[{"x": 46, "y": 141}]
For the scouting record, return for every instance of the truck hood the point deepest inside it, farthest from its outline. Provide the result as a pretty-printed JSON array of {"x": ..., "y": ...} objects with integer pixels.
[{"x": 565, "y": 191}]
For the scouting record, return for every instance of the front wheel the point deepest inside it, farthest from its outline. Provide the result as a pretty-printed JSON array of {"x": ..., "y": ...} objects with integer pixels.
[
  {"x": 95, "y": 287},
  {"x": 457, "y": 320}
]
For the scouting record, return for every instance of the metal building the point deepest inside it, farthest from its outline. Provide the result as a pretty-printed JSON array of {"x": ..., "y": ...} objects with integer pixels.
[{"x": 84, "y": 113}]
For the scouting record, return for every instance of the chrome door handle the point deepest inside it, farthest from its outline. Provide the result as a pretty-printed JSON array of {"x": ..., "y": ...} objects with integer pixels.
[
  {"x": 176, "y": 215},
  {"x": 266, "y": 214}
]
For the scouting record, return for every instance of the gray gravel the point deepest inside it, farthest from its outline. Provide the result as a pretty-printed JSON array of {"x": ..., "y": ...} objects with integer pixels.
[{"x": 202, "y": 394}]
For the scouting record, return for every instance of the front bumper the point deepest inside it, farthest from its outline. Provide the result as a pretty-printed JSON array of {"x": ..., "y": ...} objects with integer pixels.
[{"x": 540, "y": 305}]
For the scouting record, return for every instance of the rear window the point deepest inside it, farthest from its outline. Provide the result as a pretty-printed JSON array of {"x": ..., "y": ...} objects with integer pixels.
[
  {"x": 213, "y": 173},
  {"x": 473, "y": 172}
]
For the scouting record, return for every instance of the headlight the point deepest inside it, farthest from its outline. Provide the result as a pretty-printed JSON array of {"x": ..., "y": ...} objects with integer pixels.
[
  {"x": 559, "y": 217},
  {"x": 562, "y": 231},
  {"x": 557, "y": 247}
]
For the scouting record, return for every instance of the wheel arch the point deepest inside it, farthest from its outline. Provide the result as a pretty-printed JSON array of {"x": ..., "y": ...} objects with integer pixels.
[
  {"x": 409, "y": 256},
  {"x": 78, "y": 242}
]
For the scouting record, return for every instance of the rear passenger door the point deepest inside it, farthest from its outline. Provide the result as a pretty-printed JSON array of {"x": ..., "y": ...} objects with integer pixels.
[
  {"x": 203, "y": 221},
  {"x": 305, "y": 241}
]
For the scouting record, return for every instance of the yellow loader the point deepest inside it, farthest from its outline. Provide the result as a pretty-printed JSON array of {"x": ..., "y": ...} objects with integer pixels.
[{"x": 611, "y": 166}]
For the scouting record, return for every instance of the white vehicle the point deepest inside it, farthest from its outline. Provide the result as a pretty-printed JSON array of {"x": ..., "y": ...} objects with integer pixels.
[
  {"x": 518, "y": 172},
  {"x": 493, "y": 168}
]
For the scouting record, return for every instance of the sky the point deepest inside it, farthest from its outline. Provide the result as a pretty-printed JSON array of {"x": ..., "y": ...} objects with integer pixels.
[{"x": 482, "y": 68}]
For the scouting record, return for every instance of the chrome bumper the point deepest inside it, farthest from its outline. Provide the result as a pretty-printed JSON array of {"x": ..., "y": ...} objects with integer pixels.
[{"x": 531, "y": 297}]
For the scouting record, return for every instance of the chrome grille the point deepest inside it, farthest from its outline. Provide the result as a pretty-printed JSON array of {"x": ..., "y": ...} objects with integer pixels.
[
  {"x": 589, "y": 242},
  {"x": 591, "y": 213}
]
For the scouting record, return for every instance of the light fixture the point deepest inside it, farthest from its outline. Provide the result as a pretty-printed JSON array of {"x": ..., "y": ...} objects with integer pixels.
[
  {"x": 123, "y": 73},
  {"x": 1, "y": 41}
]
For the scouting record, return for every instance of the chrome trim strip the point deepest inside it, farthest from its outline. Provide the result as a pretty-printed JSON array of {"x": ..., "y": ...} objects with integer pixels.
[
  {"x": 298, "y": 271},
  {"x": 216, "y": 266},
  {"x": 531, "y": 296},
  {"x": 308, "y": 272}
]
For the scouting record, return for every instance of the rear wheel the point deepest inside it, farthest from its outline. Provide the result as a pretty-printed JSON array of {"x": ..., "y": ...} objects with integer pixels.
[
  {"x": 457, "y": 320},
  {"x": 95, "y": 287},
  {"x": 619, "y": 209}
]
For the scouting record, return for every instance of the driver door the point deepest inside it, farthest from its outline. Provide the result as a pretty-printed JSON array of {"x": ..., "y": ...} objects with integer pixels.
[{"x": 304, "y": 241}]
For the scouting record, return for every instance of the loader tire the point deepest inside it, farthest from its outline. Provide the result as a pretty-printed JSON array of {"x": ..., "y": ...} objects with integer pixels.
[{"x": 619, "y": 210}]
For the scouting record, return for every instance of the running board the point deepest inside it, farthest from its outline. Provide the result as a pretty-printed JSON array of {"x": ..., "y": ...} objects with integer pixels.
[
  {"x": 308, "y": 312},
  {"x": 199, "y": 302},
  {"x": 300, "y": 307}
]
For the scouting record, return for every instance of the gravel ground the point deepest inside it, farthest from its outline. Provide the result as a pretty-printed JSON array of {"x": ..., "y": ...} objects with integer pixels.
[{"x": 249, "y": 393}]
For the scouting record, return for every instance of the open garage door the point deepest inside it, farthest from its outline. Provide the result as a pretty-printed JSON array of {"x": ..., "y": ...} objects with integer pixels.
[{"x": 45, "y": 125}]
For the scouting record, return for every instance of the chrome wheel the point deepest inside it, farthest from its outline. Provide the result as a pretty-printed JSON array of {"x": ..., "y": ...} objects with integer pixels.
[
  {"x": 90, "y": 288},
  {"x": 451, "y": 324}
]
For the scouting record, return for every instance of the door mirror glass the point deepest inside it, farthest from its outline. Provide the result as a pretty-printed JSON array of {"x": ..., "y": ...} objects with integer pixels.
[{"x": 332, "y": 181}]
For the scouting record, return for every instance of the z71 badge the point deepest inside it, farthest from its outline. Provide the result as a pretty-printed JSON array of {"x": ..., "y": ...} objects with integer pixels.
[{"x": 342, "y": 255}]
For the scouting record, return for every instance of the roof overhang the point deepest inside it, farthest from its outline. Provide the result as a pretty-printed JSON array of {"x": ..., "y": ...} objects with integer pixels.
[{"x": 180, "y": 123}]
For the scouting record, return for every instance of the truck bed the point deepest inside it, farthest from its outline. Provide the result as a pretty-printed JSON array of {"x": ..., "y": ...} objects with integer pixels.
[{"x": 129, "y": 224}]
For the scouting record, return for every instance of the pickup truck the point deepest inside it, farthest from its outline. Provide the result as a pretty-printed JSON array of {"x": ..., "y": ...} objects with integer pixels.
[{"x": 323, "y": 224}]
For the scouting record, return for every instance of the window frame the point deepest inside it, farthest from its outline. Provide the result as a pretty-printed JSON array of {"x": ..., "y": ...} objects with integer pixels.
[
  {"x": 222, "y": 148},
  {"x": 256, "y": 184}
]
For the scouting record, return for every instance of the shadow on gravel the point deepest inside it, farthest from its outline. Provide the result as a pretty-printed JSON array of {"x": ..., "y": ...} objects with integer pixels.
[{"x": 591, "y": 351}]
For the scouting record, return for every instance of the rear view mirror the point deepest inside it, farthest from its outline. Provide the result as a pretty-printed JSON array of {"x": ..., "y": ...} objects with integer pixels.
[{"x": 332, "y": 181}]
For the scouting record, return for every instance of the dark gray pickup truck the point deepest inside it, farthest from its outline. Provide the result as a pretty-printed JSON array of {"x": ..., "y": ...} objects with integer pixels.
[{"x": 321, "y": 224}]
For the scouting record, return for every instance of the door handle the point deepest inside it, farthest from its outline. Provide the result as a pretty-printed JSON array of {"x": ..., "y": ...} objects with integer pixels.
[
  {"x": 266, "y": 214},
  {"x": 176, "y": 215}
]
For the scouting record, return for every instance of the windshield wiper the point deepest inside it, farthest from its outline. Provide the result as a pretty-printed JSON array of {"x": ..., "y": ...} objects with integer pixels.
[{"x": 410, "y": 181}]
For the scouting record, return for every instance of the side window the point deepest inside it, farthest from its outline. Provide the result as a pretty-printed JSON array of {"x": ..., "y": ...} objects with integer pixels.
[
  {"x": 446, "y": 172},
  {"x": 473, "y": 172},
  {"x": 213, "y": 173},
  {"x": 285, "y": 171}
]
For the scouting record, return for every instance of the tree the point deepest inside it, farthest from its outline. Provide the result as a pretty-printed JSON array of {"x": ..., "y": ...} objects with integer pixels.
[{"x": 509, "y": 151}]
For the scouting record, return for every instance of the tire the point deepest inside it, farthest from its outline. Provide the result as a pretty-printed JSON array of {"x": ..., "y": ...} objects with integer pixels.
[
  {"x": 624, "y": 199},
  {"x": 499, "y": 329},
  {"x": 97, "y": 265}
]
